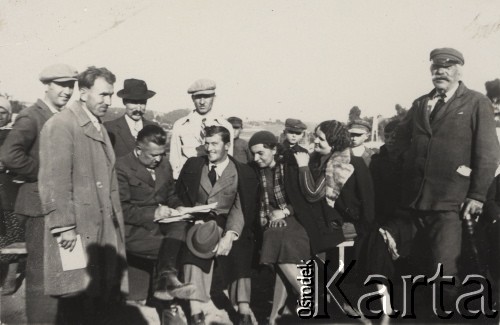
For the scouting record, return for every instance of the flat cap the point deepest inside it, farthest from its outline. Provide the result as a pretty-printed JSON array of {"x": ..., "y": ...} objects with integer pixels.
[
  {"x": 492, "y": 88},
  {"x": 294, "y": 125},
  {"x": 262, "y": 137},
  {"x": 58, "y": 72},
  {"x": 236, "y": 122},
  {"x": 446, "y": 56},
  {"x": 5, "y": 103},
  {"x": 202, "y": 87},
  {"x": 359, "y": 126}
]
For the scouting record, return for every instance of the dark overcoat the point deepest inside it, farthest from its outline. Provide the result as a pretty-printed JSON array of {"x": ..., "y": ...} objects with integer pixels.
[
  {"x": 140, "y": 196},
  {"x": 20, "y": 154},
  {"x": 187, "y": 189},
  {"x": 461, "y": 134}
]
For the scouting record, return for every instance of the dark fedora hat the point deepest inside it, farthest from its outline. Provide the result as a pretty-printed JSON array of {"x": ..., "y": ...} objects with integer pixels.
[
  {"x": 202, "y": 238},
  {"x": 135, "y": 89}
]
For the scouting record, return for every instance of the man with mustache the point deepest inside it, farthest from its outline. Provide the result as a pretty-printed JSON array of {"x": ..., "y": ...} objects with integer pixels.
[
  {"x": 451, "y": 152},
  {"x": 20, "y": 154},
  {"x": 188, "y": 133},
  {"x": 123, "y": 131}
]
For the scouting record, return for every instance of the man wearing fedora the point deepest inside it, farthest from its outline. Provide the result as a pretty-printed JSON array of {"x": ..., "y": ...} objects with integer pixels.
[
  {"x": 188, "y": 133},
  {"x": 20, "y": 154},
  {"x": 123, "y": 131},
  {"x": 451, "y": 152},
  {"x": 227, "y": 233}
]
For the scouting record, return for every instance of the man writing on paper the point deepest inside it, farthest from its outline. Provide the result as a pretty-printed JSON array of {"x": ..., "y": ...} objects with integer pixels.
[
  {"x": 80, "y": 199},
  {"x": 147, "y": 193}
]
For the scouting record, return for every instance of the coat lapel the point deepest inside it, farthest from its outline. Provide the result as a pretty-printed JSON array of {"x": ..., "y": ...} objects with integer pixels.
[
  {"x": 425, "y": 114},
  {"x": 87, "y": 126},
  {"x": 227, "y": 178},
  {"x": 125, "y": 133},
  {"x": 204, "y": 181},
  {"x": 44, "y": 109},
  {"x": 452, "y": 105}
]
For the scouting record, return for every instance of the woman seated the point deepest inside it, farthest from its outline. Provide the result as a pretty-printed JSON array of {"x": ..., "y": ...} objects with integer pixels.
[{"x": 285, "y": 242}]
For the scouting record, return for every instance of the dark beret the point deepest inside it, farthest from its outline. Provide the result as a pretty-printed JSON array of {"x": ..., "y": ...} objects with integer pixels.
[
  {"x": 295, "y": 125},
  {"x": 262, "y": 137},
  {"x": 493, "y": 88},
  {"x": 391, "y": 126},
  {"x": 446, "y": 56}
]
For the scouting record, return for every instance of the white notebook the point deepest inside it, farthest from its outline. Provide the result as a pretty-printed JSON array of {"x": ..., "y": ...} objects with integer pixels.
[{"x": 75, "y": 259}]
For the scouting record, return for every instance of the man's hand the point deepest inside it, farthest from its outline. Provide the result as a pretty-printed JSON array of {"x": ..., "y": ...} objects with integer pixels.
[
  {"x": 277, "y": 214},
  {"x": 302, "y": 159},
  {"x": 471, "y": 208},
  {"x": 225, "y": 244},
  {"x": 163, "y": 211},
  {"x": 68, "y": 239}
]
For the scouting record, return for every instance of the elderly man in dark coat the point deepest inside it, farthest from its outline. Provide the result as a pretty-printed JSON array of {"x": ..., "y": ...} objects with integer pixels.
[
  {"x": 123, "y": 131},
  {"x": 19, "y": 154},
  {"x": 451, "y": 155}
]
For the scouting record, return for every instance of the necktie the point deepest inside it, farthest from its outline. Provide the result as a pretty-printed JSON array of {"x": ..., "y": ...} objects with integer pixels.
[
  {"x": 440, "y": 103},
  {"x": 212, "y": 175},
  {"x": 202, "y": 130},
  {"x": 137, "y": 128}
]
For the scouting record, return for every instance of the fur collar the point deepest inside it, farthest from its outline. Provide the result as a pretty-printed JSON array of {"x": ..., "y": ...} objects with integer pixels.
[{"x": 338, "y": 170}]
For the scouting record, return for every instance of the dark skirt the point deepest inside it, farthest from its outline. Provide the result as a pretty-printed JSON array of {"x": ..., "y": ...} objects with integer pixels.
[{"x": 283, "y": 245}]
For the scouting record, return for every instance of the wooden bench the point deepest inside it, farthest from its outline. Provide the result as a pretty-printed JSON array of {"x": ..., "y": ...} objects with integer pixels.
[{"x": 14, "y": 248}]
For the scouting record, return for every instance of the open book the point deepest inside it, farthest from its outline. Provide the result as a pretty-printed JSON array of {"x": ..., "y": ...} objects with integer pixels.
[{"x": 176, "y": 216}]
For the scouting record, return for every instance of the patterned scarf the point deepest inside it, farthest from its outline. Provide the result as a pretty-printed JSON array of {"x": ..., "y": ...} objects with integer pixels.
[
  {"x": 279, "y": 193},
  {"x": 338, "y": 170}
]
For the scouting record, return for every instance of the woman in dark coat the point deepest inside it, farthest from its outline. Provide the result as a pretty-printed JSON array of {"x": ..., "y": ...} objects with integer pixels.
[{"x": 285, "y": 242}]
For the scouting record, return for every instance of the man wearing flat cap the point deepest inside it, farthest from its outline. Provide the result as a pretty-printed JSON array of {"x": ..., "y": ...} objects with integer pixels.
[
  {"x": 123, "y": 131},
  {"x": 360, "y": 132},
  {"x": 240, "y": 151},
  {"x": 293, "y": 134},
  {"x": 451, "y": 152},
  {"x": 188, "y": 133},
  {"x": 20, "y": 154},
  {"x": 493, "y": 93}
]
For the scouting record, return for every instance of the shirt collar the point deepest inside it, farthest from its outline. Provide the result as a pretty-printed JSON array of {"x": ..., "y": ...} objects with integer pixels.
[
  {"x": 219, "y": 167},
  {"x": 448, "y": 94},
  {"x": 51, "y": 107},
  {"x": 132, "y": 123},
  {"x": 92, "y": 117}
]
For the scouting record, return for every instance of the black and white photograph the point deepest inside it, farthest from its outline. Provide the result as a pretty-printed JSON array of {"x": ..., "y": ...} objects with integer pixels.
[{"x": 249, "y": 162}]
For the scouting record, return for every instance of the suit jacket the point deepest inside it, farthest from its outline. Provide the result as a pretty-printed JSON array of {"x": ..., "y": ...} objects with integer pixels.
[
  {"x": 79, "y": 188},
  {"x": 235, "y": 192},
  {"x": 119, "y": 133},
  {"x": 461, "y": 134},
  {"x": 140, "y": 196},
  {"x": 20, "y": 154}
]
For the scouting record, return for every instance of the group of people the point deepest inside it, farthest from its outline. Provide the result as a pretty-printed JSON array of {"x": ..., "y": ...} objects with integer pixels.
[{"x": 108, "y": 190}]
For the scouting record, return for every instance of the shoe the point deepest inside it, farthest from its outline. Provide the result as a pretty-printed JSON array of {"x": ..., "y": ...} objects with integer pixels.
[
  {"x": 197, "y": 319},
  {"x": 169, "y": 287},
  {"x": 245, "y": 319}
]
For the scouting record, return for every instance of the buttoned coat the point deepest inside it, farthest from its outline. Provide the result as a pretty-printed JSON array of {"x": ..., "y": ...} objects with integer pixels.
[
  {"x": 194, "y": 187},
  {"x": 20, "y": 154},
  {"x": 79, "y": 188},
  {"x": 140, "y": 196},
  {"x": 461, "y": 134},
  {"x": 120, "y": 135}
]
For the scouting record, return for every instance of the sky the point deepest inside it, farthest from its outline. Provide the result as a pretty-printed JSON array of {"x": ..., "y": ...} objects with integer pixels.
[{"x": 311, "y": 60}]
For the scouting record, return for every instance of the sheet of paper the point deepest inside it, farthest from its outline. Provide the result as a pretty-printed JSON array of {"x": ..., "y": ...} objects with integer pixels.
[
  {"x": 75, "y": 259},
  {"x": 196, "y": 209}
]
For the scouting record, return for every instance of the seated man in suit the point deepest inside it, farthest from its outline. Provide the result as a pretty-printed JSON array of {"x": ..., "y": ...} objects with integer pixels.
[
  {"x": 219, "y": 178},
  {"x": 147, "y": 193},
  {"x": 123, "y": 131}
]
